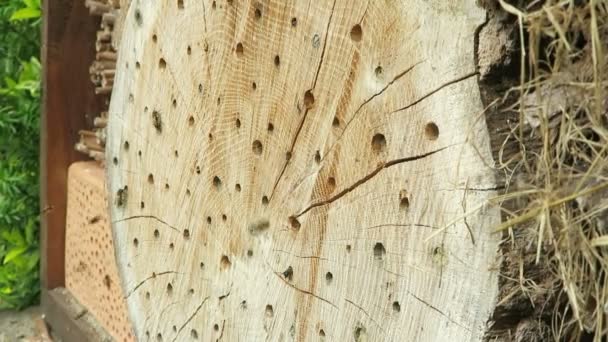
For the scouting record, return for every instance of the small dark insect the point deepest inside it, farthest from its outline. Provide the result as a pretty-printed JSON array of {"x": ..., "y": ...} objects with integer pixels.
[
  {"x": 94, "y": 219},
  {"x": 288, "y": 273},
  {"x": 157, "y": 121},
  {"x": 259, "y": 226},
  {"x": 121, "y": 196}
]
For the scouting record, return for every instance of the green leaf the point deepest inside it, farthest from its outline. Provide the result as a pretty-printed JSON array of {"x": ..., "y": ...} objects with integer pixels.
[
  {"x": 32, "y": 3},
  {"x": 14, "y": 253},
  {"x": 26, "y": 13}
]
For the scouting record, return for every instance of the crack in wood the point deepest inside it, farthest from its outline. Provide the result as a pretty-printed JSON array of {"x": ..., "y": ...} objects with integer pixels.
[
  {"x": 401, "y": 225},
  {"x": 300, "y": 256},
  {"x": 367, "y": 178},
  {"x": 438, "y": 311},
  {"x": 190, "y": 318},
  {"x": 366, "y": 314},
  {"x": 395, "y": 79},
  {"x": 222, "y": 331},
  {"x": 280, "y": 276},
  {"x": 154, "y": 275},
  {"x": 146, "y": 216},
  {"x": 424, "y": 97},
  {"x": 295, "y": 139},
  {"x": 436, "y": 90}
]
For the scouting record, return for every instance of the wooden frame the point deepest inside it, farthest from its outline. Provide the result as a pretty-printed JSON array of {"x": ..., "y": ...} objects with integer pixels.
[{"x": 69, "y": 100}]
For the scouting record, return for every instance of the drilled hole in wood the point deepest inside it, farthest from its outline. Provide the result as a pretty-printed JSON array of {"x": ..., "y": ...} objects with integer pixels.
[
  {"x": 237, "y": 123},
  {"x": 137, "y": 65},
  {"x": 317, "y": 157},
  {"x": 166, "y": 186},
  {"x": 239, "y": 49},
  {"x": 254, "y": 86},
  {"x": 249, "y": 253},
  {"x": 287, "y": 156},
  {"x": 336, "y": 122},
  {"x": 224, "y": 217},
  {"x": 180, "y": 4},
  {"x": 257, "y": 147},
  {"x": 265, "y": 200},
  {"x": 135, "y": 242},
  {"x": 139, "y": 153},
  {"x": 217, "y": 182},
  {"x": 162, "y": 63},
  {"x": 309, "y": 99},
  {"x": 142, "y": 205},
  {"x": 270, "y": 127},
  {"x": 159, "y": 337},
  {"x": 171, "y": 246},
  {"x": 156, "y": 233},
  {"x": 356, "y": 33},
  {"x": 169, "y": 288},
  {"x": 322, "y": 333},
  {"x": 404, "y": 203},
  {"x": 431, "y": 131},
  {"x": 237, "y": 187},
  {"x": 396, "y": 307},
  {"x": 202, "y": 265},
  {"x": 148, "y": 295},
  {"x": 115, "y": 161},
  {"x": 216, "y": 327},
  {"x": 188, "y": 193},
  {"x": 209, "y": 219},
  {"x": 186, "y": 234},
  {"x": 379, "y": 251},
  {"x": 107, "y": 281},
  {"x": 348, "y": 248},
  {"x": 210, "y": 137},
  {"x": 329, "y": 277},
  {"x": 378, "y": 143},
  {"x": 198, "y": 170},
  {"x": 191, "y": 121},
  {"x": 189, "y": 50},
  {"x": 269, "y": 310},
  {"x": 154, "y": 38},
  {"x": 295, "y": 224},
  {"x": 200, "y": 88},
  {"x": 194, "y": 334},
  {"x": 225, "y": 262},
  {"x": 174, "y": 103},
  {"x": 151, "y": 178},
  {"x": 277, "y": 61},
  {"x": 258, "y": 13},
  {"x": 191, "y": 291},
  {"x": 331, "y": 183},
  {"x": 176, "y": 154}
]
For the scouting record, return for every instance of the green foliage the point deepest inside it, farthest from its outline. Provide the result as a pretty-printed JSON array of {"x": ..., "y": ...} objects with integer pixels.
[{"x": 19, "y": 141}]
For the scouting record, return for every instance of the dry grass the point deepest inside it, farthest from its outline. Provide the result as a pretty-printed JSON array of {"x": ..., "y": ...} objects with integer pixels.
[{"x": 556, "y": 204}]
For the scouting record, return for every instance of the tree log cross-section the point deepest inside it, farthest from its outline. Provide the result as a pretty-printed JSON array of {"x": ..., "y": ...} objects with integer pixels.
[{"x": 302, "y": 170}]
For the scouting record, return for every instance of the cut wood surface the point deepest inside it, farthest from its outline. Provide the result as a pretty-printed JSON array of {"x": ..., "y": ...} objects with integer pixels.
[{"x": 297, "y": 170}]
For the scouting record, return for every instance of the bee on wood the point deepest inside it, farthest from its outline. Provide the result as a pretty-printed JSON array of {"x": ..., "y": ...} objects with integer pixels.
[{"x": 121, "y": 196}]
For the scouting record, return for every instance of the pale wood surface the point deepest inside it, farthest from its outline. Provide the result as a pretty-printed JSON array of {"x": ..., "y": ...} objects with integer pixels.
[{"x": 257, "y": 197}]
